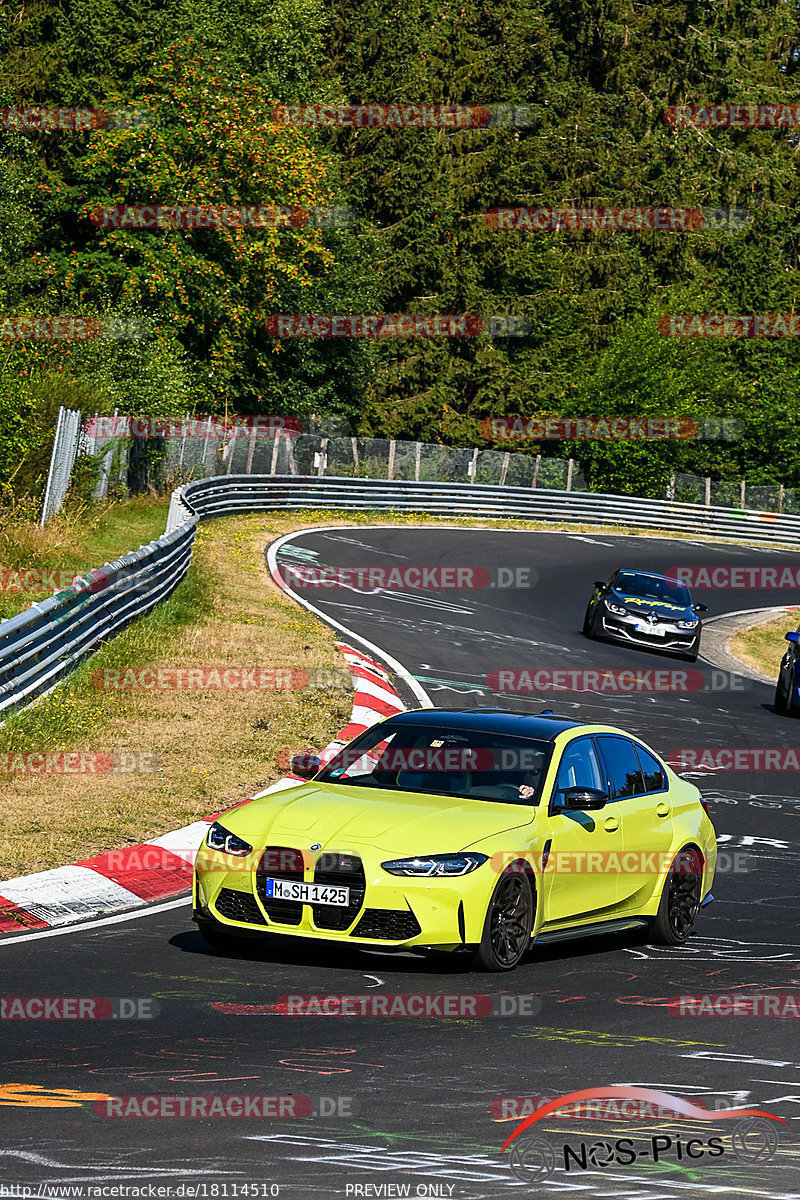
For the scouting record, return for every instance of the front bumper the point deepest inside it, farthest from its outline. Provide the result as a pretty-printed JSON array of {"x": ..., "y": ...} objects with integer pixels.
[
  {"x": 640, "y": 632},
  {"x": 395, "y": 911}
]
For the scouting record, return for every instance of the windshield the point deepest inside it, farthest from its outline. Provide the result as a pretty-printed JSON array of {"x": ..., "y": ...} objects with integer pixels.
[
  {"x": 652, "y": 587},
  {"x": 444, "y": 762}
]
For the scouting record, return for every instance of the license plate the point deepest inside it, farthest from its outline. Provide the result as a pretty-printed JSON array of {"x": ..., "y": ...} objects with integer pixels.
[
  {"x": 658, "y": 630},
  {"x": 307, "y": 893}
]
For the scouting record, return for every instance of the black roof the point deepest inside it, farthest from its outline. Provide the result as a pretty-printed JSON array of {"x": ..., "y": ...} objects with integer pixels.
[{"x": 543, "y": 727}]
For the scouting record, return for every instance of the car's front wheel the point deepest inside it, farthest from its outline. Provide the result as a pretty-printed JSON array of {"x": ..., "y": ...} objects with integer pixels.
[
  {"x": 587, "y": 623},
  {"x": 784, "y": 699},
  {"x": 680, "y": 899},
  {"x": 508, "y": 924}
]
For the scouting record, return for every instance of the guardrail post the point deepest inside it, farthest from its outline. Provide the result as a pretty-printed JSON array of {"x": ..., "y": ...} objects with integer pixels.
[
  {"x": 417, "y": 456},
  {"x": 536, "y": 470},
  {"x": 390, "y": 473},
  {"x": 570, "y": 465},
  {"x": 504, "y": 468}
]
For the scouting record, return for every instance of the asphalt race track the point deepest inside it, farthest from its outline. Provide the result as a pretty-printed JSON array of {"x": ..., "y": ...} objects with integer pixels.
[{"x": 402, "y": 1106}]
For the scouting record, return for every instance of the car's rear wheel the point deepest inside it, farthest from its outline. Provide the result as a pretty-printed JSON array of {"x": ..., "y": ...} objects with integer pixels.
[
  {"x": 508, "y": 924},
  {"x": 223, "y": 939},
  {"x": 680, "y": 899},
  {"x": 784, "y": 700}
]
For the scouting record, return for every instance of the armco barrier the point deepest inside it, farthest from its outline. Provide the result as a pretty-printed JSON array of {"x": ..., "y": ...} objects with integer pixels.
[
  {"x": 41, "y": 646},
  {"x": 223, "y": 494}
]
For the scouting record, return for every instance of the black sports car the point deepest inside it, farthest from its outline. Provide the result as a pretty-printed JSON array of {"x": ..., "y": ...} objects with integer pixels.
[
  {"x": 645, "y": 610},
  {"x": 787, "y": 689}
]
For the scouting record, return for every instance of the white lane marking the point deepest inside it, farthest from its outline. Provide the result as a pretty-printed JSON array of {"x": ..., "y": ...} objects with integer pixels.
[
  {"x": 397, "y": 667},
  {"x": 15, "y": 938},
  {"x": 576, "y": 537}
]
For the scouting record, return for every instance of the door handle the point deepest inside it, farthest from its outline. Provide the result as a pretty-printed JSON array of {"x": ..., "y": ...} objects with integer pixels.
[
  {"x": 611, "y": 824},
  {"x": 662, "y": 810}
]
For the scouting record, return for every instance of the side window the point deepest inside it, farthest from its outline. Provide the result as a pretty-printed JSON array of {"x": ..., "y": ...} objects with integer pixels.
[
  {"x": 654, "y": 778},
  {"x": 579, "y": 767},
  {"x": 622, "y": 765}
]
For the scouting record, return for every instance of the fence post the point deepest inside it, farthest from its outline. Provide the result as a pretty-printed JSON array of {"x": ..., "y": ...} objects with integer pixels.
[
  {"x": 504, "y": 468},
  {"x": 570, "y": 465},
  {"x": 390, "y": 473},
  {"x": 323, "y": 455},
  {"x": 743, "y": 494},
  {"x": 231, "y": 448},
  {"x": 536, "y": 470},
  {"x": 251, "y": 449},
  {"x": 205, "y": 447},
  {"x": 780, "y": 498},
  {"x": 417, "y": 456},
  {"x": 473, "y": 465},
  {"x": 275, "y": 445},
  {"x": 707, "y": 498},
  {"x": 354, "y": 444},
  {"x": 290, "y": 454}
]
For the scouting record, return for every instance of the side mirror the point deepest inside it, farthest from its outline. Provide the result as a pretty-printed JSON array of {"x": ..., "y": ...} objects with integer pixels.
[
  {"x": 584, "y": 798},
  {"x": 600, "y": 583},
  {"x": 306, "y": 765},
  {"x": 793, "y": 637},
  {"x": 700, "y": 608}
]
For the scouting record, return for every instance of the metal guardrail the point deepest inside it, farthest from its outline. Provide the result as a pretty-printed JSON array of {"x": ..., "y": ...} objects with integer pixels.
[
  {"x": 225, "y": 494},
  {"x": 41, "y": 646}
]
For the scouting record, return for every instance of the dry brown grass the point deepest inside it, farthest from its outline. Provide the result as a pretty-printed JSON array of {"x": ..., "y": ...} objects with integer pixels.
[{"x": 762, "y": 646}]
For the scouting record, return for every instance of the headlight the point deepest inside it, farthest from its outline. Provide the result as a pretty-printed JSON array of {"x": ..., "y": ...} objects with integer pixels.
[
  {"x": 435, "y": 864},
  {"x": 687, "y": 624},
  {"x": 219, "y": 838},
  {"x": 616, "y": 608}
]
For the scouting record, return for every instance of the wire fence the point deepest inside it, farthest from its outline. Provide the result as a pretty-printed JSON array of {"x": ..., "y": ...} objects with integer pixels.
[{"x": 205, "y": 447}]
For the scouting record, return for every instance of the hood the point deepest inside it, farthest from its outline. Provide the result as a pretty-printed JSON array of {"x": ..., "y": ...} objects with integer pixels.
[
  {"x": 662, "y": 608},
  {"x": 342, "y": 818}
]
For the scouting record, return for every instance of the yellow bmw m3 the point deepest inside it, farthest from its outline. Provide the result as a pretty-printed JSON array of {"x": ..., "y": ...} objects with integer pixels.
[{"x": 479, "y": 830}]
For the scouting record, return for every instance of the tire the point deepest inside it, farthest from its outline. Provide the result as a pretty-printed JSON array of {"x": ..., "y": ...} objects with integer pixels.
[
  {"x": 508, "y": 924},
  {"x": 219, "y": 937},
  {"x": 587, "y": 624},
  {"x": 680, "y": 899},
  {"x": 779, "y": 703}
]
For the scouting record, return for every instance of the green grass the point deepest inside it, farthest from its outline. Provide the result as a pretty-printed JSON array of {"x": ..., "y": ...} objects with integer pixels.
[{"x": 76, "y": 539}]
